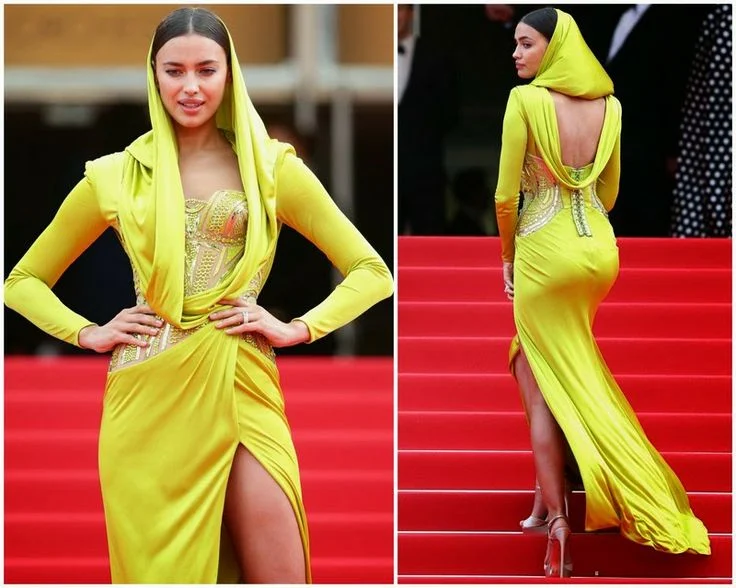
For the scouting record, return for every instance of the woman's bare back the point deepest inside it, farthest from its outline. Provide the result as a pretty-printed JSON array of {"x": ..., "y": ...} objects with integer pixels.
[{"x": 580, "y": 123}]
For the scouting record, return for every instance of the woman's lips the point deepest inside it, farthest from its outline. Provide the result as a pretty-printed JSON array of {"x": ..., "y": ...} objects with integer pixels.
[{"x": 191, "y": 106}]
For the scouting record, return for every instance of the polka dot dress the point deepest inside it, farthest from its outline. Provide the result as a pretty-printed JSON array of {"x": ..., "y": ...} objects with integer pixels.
[{"x": 702, "y": 195}]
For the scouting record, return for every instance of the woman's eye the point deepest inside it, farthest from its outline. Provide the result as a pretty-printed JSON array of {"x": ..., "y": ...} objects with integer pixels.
[
  {"x": 173, "y": 72},
  {"x": 208, "y": 71}
]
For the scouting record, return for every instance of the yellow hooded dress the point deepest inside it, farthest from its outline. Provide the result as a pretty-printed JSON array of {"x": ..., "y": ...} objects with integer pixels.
[
  {"x": 175, "y": 411},
  {"x": 565, "y": 261}
]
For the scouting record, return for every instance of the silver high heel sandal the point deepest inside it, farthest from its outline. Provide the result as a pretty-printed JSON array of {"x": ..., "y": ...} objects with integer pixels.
[
  {"x": 558, "y": 561},
  {"x": 533, "y": 524}
]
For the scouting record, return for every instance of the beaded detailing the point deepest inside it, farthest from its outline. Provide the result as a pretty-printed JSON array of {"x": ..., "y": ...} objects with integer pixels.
[
  {"x": 215, "y": 232},
  {"x": 542, "y": 198},
  {"x": 596, "y": 202},
  {"x": 578, "y": 214}
]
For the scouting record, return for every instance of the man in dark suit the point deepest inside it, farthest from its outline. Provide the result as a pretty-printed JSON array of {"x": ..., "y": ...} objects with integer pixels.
[
  {"x": 647, "y": 50},
  {"x": 427, "y": 110}
]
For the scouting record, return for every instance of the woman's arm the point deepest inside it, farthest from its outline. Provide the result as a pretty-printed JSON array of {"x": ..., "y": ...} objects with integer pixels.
[
  {"x": 28, "y": 287},
  {"x": 608, "y": 181},
  {"x": 304, "y": 205},
  {"x": 513, "y": 150}
]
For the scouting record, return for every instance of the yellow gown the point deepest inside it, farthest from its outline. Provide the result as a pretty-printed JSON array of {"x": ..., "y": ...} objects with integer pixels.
[
  {"x": 175, "y": 411},
  {"x": 565, "y": 261}
]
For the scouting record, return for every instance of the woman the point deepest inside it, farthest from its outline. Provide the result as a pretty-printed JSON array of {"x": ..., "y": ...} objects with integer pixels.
[
  {"x": 561, "y": 142},
  {"x": 193, "y": 436}
]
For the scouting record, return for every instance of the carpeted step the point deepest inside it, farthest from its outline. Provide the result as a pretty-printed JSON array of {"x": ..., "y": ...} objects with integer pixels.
[
  {"x": 459, "y": 284},
  {"x": 490, "y": 580},
  {"x": 296, "y": 373},
  {"x": 501, "y": 510},
  {"x": 614, "y": 319},
  {"x": 341, "y": 414},
  {"x": 594, "y": 554},
  {"x": 339, "y": 449},
  {"x": 324, "y": 491},
  {"x": 308, "y": 410},
  {"x": 483, "y": 391},
  {"x": 490, "y": 355},
  {"x": 633, "y": 252},
  {"x": 509, "y": 430},
  {"x": 325, "y": 570},
  {"x": 53, "y": 535},
  {"x": 514, "y": 470}
]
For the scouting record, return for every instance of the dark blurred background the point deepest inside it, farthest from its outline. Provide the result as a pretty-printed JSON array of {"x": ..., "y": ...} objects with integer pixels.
[
  {"x": 672, "y": 72},
  {"x": 321, "y": 78}
]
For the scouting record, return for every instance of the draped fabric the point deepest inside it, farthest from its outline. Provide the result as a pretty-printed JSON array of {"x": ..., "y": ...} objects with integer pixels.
[
  {"x": 152, "y": 205},
  {"x": 565, "y": 260}
]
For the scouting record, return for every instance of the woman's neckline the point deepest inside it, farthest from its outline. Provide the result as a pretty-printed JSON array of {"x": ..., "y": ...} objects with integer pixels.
[{"x": 214, "y": 195}]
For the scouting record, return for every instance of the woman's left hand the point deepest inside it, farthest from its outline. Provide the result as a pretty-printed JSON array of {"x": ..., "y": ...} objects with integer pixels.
[{"x": 246, "y": 317}]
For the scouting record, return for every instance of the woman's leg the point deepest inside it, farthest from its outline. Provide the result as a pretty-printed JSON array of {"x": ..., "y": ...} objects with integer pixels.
[
  {"x": 548, "y": 442},
  {"x": 262, "y": 525}
]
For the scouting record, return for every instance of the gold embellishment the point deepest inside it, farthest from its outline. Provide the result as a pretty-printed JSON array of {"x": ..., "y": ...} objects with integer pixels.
[
  {"x": 214, "y": 243},
  {"x": 596, "y": 202},
  {"x": 542, "y": 198},
  {"x": 578, "y": 214}
]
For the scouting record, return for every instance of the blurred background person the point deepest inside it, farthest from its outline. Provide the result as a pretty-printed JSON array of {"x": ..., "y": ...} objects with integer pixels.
[
  {"x": 702, "y": 197},
  {"x": 427, "y": 97},
  {"x": 472, "y": 199}
]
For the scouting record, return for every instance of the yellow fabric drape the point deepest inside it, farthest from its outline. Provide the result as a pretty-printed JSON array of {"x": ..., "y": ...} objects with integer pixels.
[
  {"x": 561, "y": 275},
  {"x": 569, "y": 66},
  {"x": 151, "y": 204}
]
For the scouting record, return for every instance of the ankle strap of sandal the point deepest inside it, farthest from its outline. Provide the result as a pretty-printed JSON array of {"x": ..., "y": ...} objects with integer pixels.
[{"x": 556, "y": 517}]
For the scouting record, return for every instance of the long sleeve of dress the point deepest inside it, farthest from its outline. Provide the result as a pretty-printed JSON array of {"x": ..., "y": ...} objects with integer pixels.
[
  {"x": 513, "y": 150},
  {"x": 304, "y": 205},
  {"x": 608, "y": 181},
  {"x": 28, "y": 287}
]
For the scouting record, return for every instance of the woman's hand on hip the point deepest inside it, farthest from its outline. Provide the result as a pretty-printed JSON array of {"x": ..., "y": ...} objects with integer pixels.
[
  {"x": 139, "y": 320},
  {"x": 508, "y": 279},
  {"x": 246, "y": 317}
]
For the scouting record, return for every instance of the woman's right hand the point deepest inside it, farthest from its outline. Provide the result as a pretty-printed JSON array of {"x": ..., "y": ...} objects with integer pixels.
[
  {"x": 508, "y": 279},
  {"x": 139, "y": 320}
]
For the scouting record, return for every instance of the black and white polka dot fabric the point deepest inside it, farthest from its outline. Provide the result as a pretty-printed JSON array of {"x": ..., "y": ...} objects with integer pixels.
[{"x": 702, "y": 194}]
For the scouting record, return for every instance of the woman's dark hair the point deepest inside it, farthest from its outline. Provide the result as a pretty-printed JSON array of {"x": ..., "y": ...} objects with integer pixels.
[
  {"x": 188, "y": 21},
  {"x": 543, "y": 21}
]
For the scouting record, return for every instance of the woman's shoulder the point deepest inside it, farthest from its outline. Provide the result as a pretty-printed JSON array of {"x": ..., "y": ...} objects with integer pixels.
[
  {"x": 527, "y": 94},
  {"x": 105, "y": 165}
]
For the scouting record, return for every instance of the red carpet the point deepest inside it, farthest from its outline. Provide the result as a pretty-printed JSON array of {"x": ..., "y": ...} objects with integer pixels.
[
  {"x": 465, "y": 466},
  {"x": 341, "y": 412}
]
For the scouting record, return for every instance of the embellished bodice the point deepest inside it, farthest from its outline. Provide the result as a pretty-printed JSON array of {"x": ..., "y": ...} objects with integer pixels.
[
  {"x": 215, "y": 231},
  {"x": 545, "y": 198},
  {"x": 214, "y": 240}
]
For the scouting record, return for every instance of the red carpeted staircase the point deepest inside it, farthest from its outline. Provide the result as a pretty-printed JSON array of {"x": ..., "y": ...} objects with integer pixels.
[
  {"x": 465, "y": 466},
  {"x": 341, "y": 412}
]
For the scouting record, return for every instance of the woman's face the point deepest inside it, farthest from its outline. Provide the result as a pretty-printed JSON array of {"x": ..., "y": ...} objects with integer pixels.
[
  {"x": 530, "y": 48},
  {"x": 192, "y": 74}
]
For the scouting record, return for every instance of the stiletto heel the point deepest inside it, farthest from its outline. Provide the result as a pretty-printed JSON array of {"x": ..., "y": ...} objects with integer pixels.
[{"x": 558, "y": 562}]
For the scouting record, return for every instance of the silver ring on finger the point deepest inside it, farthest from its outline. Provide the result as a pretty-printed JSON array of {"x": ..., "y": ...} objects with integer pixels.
[{"x": 245, "y": 316}]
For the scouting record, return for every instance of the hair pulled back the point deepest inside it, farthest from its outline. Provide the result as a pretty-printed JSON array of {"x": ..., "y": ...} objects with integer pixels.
[
  {"x": 190, "y": 21},
  {"x": 543, "y": 21}
]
